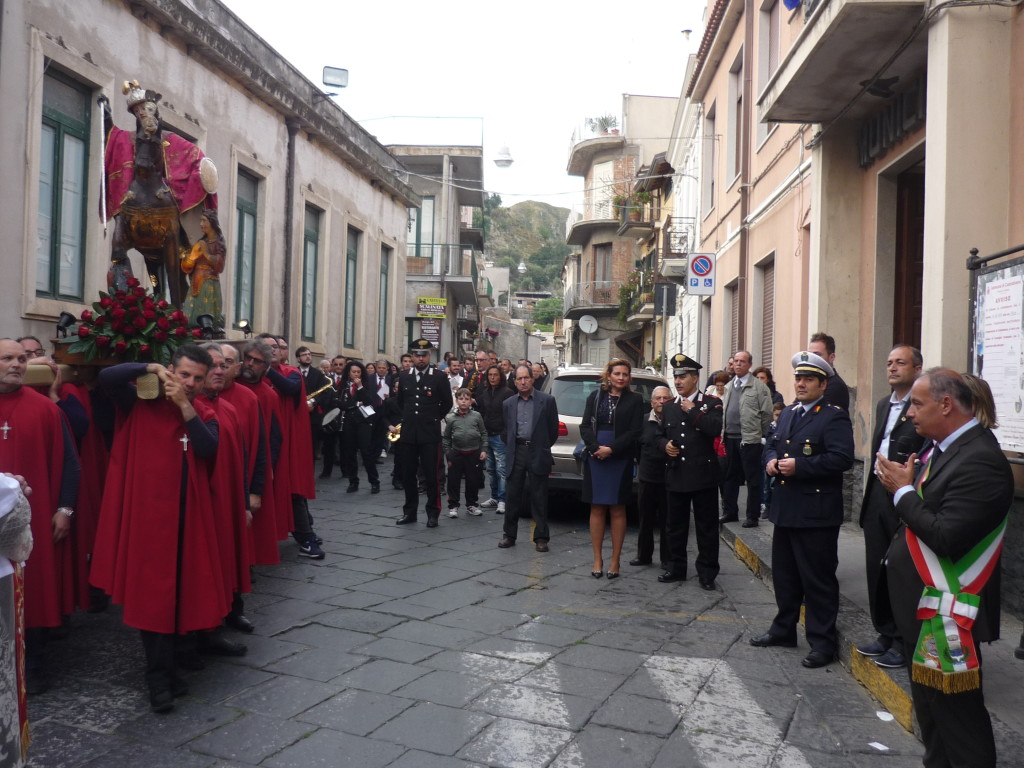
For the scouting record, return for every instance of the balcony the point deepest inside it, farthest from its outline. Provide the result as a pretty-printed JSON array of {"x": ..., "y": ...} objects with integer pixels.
[
  {"x": 641, "y": 308},
  {"x": 448, "y": 263},
  {"x": 600, "y": 297},
  {"x": 585, "y": 145},
  {"x": 635, "y": 220},
  {"x": 584, "y": 220},
  {"x": 842, "y": 45}
]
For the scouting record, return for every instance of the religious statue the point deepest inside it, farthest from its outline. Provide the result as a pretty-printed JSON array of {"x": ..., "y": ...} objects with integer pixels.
[
  {"x": 205, "y": 263},
  {"x": 152, "y": 176}
]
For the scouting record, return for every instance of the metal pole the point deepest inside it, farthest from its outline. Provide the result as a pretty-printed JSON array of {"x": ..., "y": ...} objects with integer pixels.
[{"x": 664, "y": 329}]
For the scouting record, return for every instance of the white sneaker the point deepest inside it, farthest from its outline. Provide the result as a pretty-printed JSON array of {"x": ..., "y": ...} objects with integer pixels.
[
  {"x": 474, "y": 511},
  {"x": 489, "y": 504},
  {"x": 383, "y": 453},
  {"x": 501, "y": 507},
  {"x": 453, "y": 512}
]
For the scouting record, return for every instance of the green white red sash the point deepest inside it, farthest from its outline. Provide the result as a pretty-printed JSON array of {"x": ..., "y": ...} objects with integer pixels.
[{"x": 945, "y": 657}]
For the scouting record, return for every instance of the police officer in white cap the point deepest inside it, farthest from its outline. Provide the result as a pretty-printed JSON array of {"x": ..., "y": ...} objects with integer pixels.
[{"x": 811, "y": 447}]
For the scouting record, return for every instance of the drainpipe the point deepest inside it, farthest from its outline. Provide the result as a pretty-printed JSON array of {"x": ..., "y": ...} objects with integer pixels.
[
  {"x": 292, "y": 123},
  {"x": 746, "y": 136}
]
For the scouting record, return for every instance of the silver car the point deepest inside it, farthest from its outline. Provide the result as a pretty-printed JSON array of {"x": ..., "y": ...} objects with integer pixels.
[{"x": 570, "y": 388}]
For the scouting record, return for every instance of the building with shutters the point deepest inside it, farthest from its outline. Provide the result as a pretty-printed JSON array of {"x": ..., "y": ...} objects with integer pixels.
[
  {"x": 314, "y": 210},
  {"x": 754, "y": 201}
]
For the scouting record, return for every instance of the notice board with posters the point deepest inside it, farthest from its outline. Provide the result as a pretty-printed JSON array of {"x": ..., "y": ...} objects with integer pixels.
[{"x": 997, "y": 342}]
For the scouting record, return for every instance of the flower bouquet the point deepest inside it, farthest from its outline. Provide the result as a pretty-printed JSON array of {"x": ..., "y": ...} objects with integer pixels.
[{"x": 130, "y": 326}]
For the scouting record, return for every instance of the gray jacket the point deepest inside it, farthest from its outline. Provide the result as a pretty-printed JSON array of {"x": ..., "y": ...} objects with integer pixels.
[{"x": 755, "y": 409}]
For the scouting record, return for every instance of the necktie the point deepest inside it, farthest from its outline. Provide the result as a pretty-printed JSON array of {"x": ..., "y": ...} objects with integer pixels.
[{"x": 935, "y": 453}]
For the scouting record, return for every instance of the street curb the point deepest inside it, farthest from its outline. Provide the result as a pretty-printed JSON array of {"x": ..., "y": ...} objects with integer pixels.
[{"x": 890, "y": 687}]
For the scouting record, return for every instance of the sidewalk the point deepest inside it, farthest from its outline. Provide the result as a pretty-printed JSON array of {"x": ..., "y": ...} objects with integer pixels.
[
  {"x": 410, "y": 647},
  {"x": 1004, "y": 674}
]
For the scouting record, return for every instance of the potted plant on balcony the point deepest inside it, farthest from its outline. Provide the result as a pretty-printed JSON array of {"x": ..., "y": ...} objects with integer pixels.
[
  {"x": 638, "y": 202},
  {"x": 604, "y": 125}
]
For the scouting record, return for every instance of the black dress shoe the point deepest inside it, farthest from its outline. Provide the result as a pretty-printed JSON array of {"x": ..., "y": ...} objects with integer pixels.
[
  {"x": 397, "y": 485},
  {"x": 597, "y": 574},
  {"x": 405, "y": 520},
  {"x": 767, "y": 640},
  {"x": 324, "y": 475},
  {"x": 707, "y": 586},
  {"x": 542, "y": 546},
  {"x": 431, "y": 521},
  {"x": 506, "y": 542},
  {"x": 352, "y": 488},
  {"x": 214, "y": 644},
  {"x": 239, "y": 621},
  {"x": 727, "y": 519},
  {"x": 612, "y": 575},
  {"x": 374, "y": 487},
  {"x": 749, "y": 524},
  {"x": 668, "y": 577},
  {"x": 161, "y": 701},
  {"x": 638, "y": 561},
  {"x": 817, "y": 659}
]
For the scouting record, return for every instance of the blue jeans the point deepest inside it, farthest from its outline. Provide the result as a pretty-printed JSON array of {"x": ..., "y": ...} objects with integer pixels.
[{"x": 496, "y": 466}]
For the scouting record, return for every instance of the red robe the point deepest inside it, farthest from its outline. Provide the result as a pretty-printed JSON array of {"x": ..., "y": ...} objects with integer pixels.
[
  {"x": 249, "y": 419},
  {"x": 296, "y": 460},
  {"x": 265, "y": 523},
  {"x": 230, "y": 497},
  {"x": 136, "y": 556},
  {"x": 34, "y": 448},
  {"x": 93, "y": 455},
  {"x": 181, "y": 166}
]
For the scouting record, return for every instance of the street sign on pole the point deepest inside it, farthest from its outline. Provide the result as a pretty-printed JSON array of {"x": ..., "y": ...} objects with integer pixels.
[{"x": 700, "y": 274}]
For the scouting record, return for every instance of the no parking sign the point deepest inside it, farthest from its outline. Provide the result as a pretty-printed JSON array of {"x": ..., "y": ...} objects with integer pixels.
[{"x": 700, "y": 274}]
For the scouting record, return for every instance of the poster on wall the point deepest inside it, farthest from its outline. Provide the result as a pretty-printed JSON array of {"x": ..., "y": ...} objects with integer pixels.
[
  {"x": 998, "y": 350},
  {"x": 431, "y": 331}
]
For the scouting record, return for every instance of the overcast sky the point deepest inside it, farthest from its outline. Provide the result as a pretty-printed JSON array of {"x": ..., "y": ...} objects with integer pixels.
[{"x": 532, "y": 70}]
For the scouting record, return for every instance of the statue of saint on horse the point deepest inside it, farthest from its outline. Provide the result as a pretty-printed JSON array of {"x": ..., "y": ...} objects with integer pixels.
[{"x": 152, "y": 176}]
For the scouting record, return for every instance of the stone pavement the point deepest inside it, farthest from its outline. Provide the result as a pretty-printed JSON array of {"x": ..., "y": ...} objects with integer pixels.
[
  {"x": 1004, "y": 674},
  {"x": 417, "y": 648}
]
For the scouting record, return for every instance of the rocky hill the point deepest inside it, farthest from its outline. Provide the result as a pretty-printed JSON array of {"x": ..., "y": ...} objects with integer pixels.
[{"x": 530, "y": 232}]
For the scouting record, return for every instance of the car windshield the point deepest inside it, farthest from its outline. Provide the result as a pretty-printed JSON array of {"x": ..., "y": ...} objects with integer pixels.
[{"x": 571, "y": 392}]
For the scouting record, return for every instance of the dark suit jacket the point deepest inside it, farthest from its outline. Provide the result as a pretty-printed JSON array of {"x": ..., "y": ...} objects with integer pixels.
[
  {"x": 903, "y": 441},
  {"x": 629, "y": 423},
  {"x": 650, "y": 468},
  {"x": 822, "y": 444},
  {"x": 424, "y": 405},
  {"x": 694, "y": 433},
  {"x": 544, "y": 432},
  {"x": 968, "y": 492},
  {"x": 837, "y": 392}
]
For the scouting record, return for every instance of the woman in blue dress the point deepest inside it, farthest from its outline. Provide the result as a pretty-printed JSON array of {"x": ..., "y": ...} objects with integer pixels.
[{"x": 611, "y": 428}]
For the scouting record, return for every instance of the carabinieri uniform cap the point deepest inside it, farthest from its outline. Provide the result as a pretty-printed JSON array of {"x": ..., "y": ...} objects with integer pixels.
[
  {"x": 809, "y": 364},
  {"x": 421, "y": 346},
  {"x": 681, "y": 365}
]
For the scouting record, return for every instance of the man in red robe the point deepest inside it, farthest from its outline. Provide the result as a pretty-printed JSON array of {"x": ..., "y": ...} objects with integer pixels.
[
  {"x": 36, "y": 443},
  {"x": 296, "y": 458},
  {"x": 257, "y": 357},
  {"x": 256, "y": 446},
  {"x": 230, "y": 487},
  {"x": 156, "y": 546}
]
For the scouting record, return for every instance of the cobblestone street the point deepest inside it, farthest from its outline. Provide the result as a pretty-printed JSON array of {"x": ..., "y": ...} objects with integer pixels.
[{"x": 418, "y": 648}]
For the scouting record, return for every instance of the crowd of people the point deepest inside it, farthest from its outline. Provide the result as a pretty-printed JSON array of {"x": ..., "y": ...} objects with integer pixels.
[{"x": 159, "y": 487}]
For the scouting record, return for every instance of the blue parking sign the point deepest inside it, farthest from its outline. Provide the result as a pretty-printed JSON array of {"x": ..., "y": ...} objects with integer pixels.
[{"x": 694, "y": 282}]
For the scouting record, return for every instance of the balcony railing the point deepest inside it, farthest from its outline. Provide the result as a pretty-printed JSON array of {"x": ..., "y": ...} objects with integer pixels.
[
  {"x": 442, "y": 259},
  {"x": 592, "y": 294},
  {"x": 678, "y": 237}
]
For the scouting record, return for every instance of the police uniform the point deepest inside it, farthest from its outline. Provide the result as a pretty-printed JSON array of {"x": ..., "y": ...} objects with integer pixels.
[
  {"x": 807, "y": 510},
  {"x": 424, "y": 397},
  {"x": 691, "y": 478}
]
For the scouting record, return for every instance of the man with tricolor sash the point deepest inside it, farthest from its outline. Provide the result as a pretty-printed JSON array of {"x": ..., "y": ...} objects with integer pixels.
[{"x": 942, "y": 568}]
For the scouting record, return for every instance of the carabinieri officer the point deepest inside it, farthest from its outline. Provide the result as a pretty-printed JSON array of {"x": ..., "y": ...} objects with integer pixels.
[{"x": 424, "y": 397}]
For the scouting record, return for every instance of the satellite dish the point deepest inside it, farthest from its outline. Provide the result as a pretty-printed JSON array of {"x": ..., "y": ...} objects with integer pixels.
[{"x": 588, "y": 324}]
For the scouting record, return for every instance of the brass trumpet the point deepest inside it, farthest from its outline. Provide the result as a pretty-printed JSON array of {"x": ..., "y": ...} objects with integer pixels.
[
  {"x": 310, "y": 397},
  {"x": 394, "y": 437}
]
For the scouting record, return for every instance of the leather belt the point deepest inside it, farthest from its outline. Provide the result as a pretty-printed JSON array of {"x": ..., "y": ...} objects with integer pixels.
[{"x": 523, "y": 442}]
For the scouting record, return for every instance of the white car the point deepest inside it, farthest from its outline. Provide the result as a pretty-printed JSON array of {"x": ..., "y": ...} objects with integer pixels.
[{"x": 570, "y": 388}]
